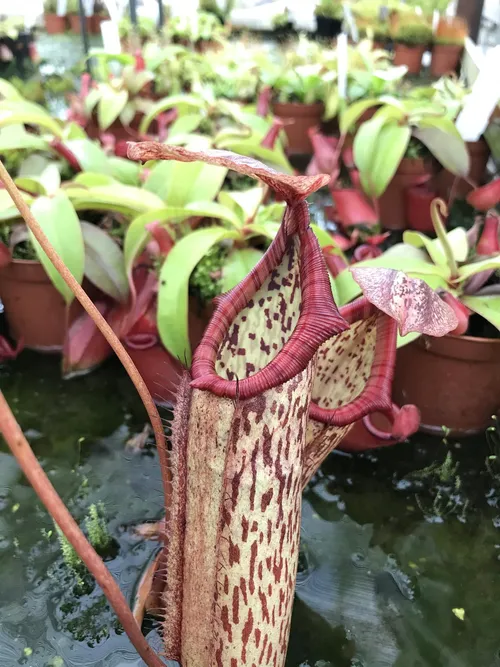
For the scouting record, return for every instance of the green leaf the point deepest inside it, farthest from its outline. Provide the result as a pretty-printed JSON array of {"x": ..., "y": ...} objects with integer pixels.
[
  {"x": 89, "y": 179},
  {"x": 457, "y": 239},
  {"x": 138, "y": 80},
  {"x": 124, "y": 199},
  {"x": 353, "y": 113},
  {"x": 104, "y": 264},
  {"x": 185, "y": 124},
  {"x": 346, "y": 288},
  {"x": 469, "y": 270},
  {"x": 174, "y": 285},
  {"x": 90, "y": 155},
  {"x": 9, "y": 92},
  {"x": 182, "y": 183},
  {"x": 267, "y": 229},
  {"x": 238, "y": 265},
  {"x": 211, "y": 209},
  {"x": 110, "y": 106},
  {"x": 8, "y": 211},
  {"x": 391, "y": 146},
  {"x": 251, "y": 148},
  {"x": 486, "y": 306},
  {"x": 137, "y": 236},
  {"x": 91, "y": 100},
  {"x": 183, "y": 103},
  {"x": 245, "y": 204},
  {"x": 26, "y": 113},
  {"x": 406, "y": 340},
  {"x": 125, "y": 171},
  {"x": 31, "y": 184},
  {"x": 450, "y": 150},
  {"x": 365, "y": 146},
  {"x": 15, "y": 138},
  {"x": 50, "y": 178},
  {"x": 59, "y": 221}
]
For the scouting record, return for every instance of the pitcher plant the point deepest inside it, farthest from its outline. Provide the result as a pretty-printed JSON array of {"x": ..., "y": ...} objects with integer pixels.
[{"x": 278, "y": 379}]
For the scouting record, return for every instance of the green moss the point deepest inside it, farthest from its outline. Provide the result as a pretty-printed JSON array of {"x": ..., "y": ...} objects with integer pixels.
[
  {"x": 413, "y": 34},
  {"x": 97, "y": 529},
  {"x": 331, "y": 9},
  {"x": 206, "y": 278}
]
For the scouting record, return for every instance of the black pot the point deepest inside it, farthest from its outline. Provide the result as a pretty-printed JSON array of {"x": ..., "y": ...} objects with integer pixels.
[
  {"x": 284, "y": 32},
  {"x": 328, "y": 27}
]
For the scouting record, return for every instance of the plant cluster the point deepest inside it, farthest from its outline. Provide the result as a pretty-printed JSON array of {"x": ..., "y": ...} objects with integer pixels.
[{"x": 331, "y": 9}]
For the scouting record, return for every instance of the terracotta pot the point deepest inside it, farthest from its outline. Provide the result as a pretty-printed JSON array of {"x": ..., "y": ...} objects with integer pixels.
[
  {"x": 327, "y": 27},
  {"x": 303, "y": 117},
  {"x": 74, "y": 23},
  {"x": 160, "y": 371},
  {"x": 95, "y": 22},
  {"x": 392, "y": 205},
  {"x": 35, "y": 310},
  {"x": 54, "y": 24},
  {"x": 411, "y": 56},
  {"x": 418, "y": 200},
  {"x": 454, "y": 381},
  {"x": 445, "y": 58},
  {"x": 479, "y": 153},
  {"x": 359, "y": 439}
]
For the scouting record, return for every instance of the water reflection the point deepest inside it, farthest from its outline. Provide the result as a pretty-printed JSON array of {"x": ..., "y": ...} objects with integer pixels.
[{"x": 378, "y": 581}]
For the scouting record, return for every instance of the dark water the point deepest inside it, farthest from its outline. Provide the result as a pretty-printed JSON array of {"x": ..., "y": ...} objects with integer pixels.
[{"x": 384, "y": 561}]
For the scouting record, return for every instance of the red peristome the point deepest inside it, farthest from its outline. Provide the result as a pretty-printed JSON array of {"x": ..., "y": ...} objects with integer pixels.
[
  {"x": 485, "y": 197},
  {"x": 353, "y": 209},
  {"x": 405, "y": 422},
  {"x": 462, "y": 313},
  {"x": 488, "y": 243},
  {"x": 319, "y": 318},
  {"x": 410, "y": 301},
  {"x": 376, "y": 394},
  {"x": 7, "y": 352},
  {"x": 65, "y": 153},
  {"x": 366, "y": 251},
  {"x": 5, "y": 256},
  {"x": 292, "y": 188},
  {"x": 264, "y": 101}
]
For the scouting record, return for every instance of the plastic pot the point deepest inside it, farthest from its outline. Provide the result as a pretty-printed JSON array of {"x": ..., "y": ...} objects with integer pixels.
[
  {"x": 411, "y": 56},
  {"x": 327, "y": 27},
  {"x": 454, "y": 381},
  {"x": 418, "y": 200},
  {"x": 74, "y": 23},
  {"x": 54, "y": 24},
  {"x": 36, "y": 312},
  {"x": 392, "y": 204},
  {"x": 445, "y": 58},
  {"x": 301, "y": 118}
]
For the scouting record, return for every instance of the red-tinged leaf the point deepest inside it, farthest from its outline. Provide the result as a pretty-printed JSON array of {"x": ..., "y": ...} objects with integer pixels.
[
  {"x": 5, "y": 256},
  {"x": 353, "y": 209},
  {"x": 334, "y": 262},
  {"x": 410, "y": 301},
  {"x": 61, "y": 149},
  {"x": 161, "y": 236},
  {"x": 85, "y": 347},
  {"x": 366, "y": 251},
  {"x": 291, "y": 188},
  {"x": 7, "y": 352},
  {"x": 273, "y": 133},
  {"x": 264, "y": 101},
  {"x": 377, "y": 239},
  {"x": 345, "y": 243},
  {"x": 462, "y": 313},
  {"x": 485, "y": 197},
  {"x": 405, "y": 421},
  {"x": 326, "y": 157},
  {"x": 488, "y": 243}
]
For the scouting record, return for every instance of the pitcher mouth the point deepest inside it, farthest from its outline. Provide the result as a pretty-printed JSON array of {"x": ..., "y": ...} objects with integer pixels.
[
  {"x": 376, "y": 394},
  {"x": 318, "y": 319}
]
